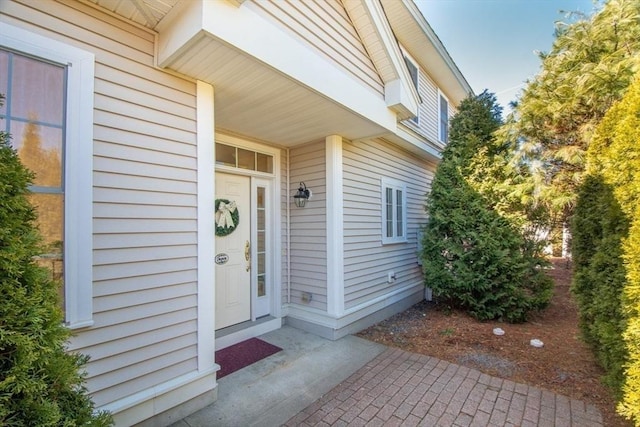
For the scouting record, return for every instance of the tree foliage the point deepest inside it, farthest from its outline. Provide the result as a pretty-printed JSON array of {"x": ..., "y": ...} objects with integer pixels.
[
  {"x": 46, "y": 164},
  {"x": 473, "y": 257},
  {"x": 40, "y": 383},
  {"x": 614, "y": 155},
  {"x": 576, "y": 145},
  {"x": 589, "y": 67},
  {"x": 630, "y": 404},
  {"x": 600, "y": 226}
]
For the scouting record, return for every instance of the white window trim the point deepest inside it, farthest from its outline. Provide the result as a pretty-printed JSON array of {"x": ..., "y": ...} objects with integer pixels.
[
  {"x": 414, "y": 120},
  {"x": 440, "y": 97},
  {"x": 395, "y": 185},
  {"x": 78, "y": 209}
]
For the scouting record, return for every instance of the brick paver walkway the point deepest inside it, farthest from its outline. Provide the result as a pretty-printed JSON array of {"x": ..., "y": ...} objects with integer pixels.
[{"x": 398, "y": 388}]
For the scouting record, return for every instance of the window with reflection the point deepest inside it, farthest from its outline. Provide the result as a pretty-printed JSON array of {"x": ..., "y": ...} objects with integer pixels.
[
  {"x": 34, "y": 115},
  {"x": 394, "y": 211},
  {"x": 261, "y": 237},
  {"x": 444, "y": 120}
]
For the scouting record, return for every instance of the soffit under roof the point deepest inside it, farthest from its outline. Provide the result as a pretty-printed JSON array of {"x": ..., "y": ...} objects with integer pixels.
[
  {"x": 257, "y": 101},
  {"x": 251, "y": 98},
  {"x": 143, "y": 12}
]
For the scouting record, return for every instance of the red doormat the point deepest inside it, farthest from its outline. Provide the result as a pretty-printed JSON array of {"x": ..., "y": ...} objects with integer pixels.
[{"x": 243, "y": 354}]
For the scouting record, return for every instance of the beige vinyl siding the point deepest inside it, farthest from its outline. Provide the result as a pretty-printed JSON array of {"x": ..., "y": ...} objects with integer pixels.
[
  {"x": 308, "y": 227},
  {"x": 429, "y": 108},
  {"x": 367, "y": 260},
  {"x": 144, "y": 225},
  {"x": 325, "y": 26}
]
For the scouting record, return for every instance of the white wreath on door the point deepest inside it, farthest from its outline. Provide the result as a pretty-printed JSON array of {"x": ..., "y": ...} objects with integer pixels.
[{"x": 227, "y": 217}]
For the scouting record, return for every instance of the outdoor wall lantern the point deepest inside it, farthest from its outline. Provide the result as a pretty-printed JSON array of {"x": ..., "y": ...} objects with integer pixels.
[{"x": 302, "y": 195}]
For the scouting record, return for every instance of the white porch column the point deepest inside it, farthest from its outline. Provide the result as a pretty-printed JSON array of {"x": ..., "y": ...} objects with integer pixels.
[
  {"x": 206, "y": 228},
  {"x": 335, "y": 226}
]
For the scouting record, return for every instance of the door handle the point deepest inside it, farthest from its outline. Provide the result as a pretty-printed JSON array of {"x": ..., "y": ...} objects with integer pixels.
[{"x": 247, "y": 254}]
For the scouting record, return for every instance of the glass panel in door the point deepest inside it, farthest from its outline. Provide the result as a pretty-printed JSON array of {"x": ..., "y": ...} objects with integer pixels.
[{"x": 262, "y": 256}]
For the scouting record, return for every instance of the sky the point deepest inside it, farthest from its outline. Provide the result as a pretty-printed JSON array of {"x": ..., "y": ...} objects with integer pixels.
[{"x": 493, "y": 42}]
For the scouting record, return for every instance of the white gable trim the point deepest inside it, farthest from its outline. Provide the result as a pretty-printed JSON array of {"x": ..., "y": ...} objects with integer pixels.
[
  {"x": 371, "y": 23},
  {"x": 417, "y": 36}
]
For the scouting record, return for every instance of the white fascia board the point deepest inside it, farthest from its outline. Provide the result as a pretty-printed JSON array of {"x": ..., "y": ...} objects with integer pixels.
[
  {"x": 400, "y": 95},
  {"x": 409, "y": 140},
  {"x": 246, "y": 31},
  {"x": 180, "y": 29},
  {"x": 399, "y": 99},
  {"x": 456, "y": 78}
]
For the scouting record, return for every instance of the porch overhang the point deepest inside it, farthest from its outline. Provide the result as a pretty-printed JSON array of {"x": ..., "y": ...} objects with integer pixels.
[{"x": 268, "y": 86}]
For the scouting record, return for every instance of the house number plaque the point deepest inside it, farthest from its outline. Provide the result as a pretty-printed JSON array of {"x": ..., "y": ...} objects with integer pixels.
[{"x": 222, "y": 259}]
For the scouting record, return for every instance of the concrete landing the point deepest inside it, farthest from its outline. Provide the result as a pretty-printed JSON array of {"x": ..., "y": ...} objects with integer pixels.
[
  {"x": 271, "y": 391},
  {"x": 355, "y": 382}
]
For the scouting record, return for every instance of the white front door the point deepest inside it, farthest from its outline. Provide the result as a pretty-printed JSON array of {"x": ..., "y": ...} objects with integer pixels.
[{"x": 233, "y": 253}]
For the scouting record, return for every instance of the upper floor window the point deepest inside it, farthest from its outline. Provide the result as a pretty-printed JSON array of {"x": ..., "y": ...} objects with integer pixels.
[
  {"x": 394, "y": 211},
  {"x": 48, "y": 111},
  {"x": 413, "y": 72},
  {"x": 444, "y": 119}
]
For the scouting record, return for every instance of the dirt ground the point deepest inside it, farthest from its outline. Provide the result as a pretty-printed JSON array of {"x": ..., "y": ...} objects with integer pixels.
[{"x": 563, "y": 364}]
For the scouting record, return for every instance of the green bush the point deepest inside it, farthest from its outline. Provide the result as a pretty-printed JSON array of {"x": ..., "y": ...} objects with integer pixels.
[
  {"x": 599, "y": 226},
  {"x": 474, "y": 258},
  {"x": 614, "y": 154},
  {"x": 40, "y": 383},
  {"x": 630, "y": 404},
  {"x": 607, "y": 249}
]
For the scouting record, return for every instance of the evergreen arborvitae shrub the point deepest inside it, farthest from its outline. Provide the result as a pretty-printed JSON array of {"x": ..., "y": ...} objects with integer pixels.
[
  {"x": 598, "y": 229},
  {"x": 473, "y": 258},
  {"x": 630, "y": 404},
  {"x": 614, "y": 154},
  {"x": 40, "y": 383}
]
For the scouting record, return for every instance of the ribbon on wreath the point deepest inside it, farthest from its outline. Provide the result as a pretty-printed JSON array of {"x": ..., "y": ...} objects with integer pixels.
[{"x": 223, "y": 214}]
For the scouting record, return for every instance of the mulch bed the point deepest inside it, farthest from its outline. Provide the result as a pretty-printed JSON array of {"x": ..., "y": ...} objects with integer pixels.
[{"x": 564, "y": 364}]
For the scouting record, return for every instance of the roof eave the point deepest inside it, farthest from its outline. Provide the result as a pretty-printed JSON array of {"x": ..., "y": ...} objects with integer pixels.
[{"x": 441, "y": 65}]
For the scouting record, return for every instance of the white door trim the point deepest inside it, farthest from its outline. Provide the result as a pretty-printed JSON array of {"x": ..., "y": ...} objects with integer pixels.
[
  {"x": 264, "y": 306},
  {"x": 274, "y": 215}
]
